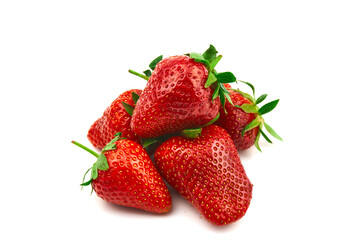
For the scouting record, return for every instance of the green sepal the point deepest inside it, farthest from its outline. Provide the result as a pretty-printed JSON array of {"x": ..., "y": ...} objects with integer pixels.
[
  {"x": 272, "y": 132},
  {"x": 214, "y": 62},
  {"x": 212, "y": 121},
  {"x": 211, "y": 79},
  {"x": 257, "y": 142},
  {"x": 109, "y": 146},
  {"x": 191, "y": 133},
  {"x": 226, "y": 93},
  {"x": 83, "y": 180},
  {"x": 135, "y": 97},
  {"x": 264, "y": 135},
  {"x": 253, "y": 124},
  {"x": 226, "y": 77},
  {"x": 222, "y": 99},
  {"x": 94, "y": 172},
  {"x": 86, "y": 183},
  {"x": 102, "y": 162},
  {"x": 268, "y": 107},
  {"x": 246, "y": 95},
  {"x": 261, "y": 98},
  {"x": 251, "y": 86},
  {"x": 128, "y": 108},
  {"x": 147, "y": 73},
  {"x": 216, "y": 91},
  {"x": 148, "y": 141},
  {"x": 154, "y": 62},
  {"x": 248, "y": 108},
  {"x": 210, "y": 53},
  {"x": 199, "y": 58}
]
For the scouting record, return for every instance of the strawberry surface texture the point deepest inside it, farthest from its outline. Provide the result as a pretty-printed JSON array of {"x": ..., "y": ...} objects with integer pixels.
[
  {"x": 132, "y": 179},
  {"x": 175, "y": 98},
  {"x": 207, "y": 172},
  {"x": 114, "y": 119},
  {"x": 235, "y": 119}
]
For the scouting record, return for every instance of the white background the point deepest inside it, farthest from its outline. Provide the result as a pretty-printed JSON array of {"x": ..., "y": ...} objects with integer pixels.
[{"x": 63, "y": 62}]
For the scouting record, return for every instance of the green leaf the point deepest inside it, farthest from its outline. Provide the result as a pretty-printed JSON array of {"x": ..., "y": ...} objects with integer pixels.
[
  {"x": 154, "y": 62},
  {"x": 216, "y": 92},
  {"x": 211, "y": 79},
  {"x": 102, "y": 163},
  {"x": 128, "y": 108},
  {"x": 226, "y": 77},
  {"x": 199, "y": 58},
  {"x": 251, "y": 86},
  {"x": 214, "y": 62},
  {"x": 147, "y": 73},
  {"x": 264, "y": 135},
  {"x": 253, "y": 124},
  {"x": 249, "y": 108},
  {"x": 268, "y": 107},
  {"x": 272, "y": 132},
  {"x": 210, "y": 53},
  {"x": 257, "y": 142},
  {"x": 135, "y": 97},
  {"x": 261, "y": 98}
]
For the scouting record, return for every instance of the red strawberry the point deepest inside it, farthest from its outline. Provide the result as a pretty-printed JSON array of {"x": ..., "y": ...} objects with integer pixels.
[
  {"x": 116, "y": 118},
  {"x": 243, "y": 118},
  {"x": 207, "y": 171},
  {"x": 174, "y": 98},
  {"x": 125, "y": 175},
  {"x": 181, "y": 93}
]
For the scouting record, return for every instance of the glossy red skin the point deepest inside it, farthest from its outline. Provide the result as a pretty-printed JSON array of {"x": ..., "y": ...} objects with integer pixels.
[
  {"x": 114, "y": 119},
  {"x": 207, "y": 172},
  {"x": 174, "y": 99},
  {"x": 132, "y": 179},
  {"x": 236, "y": 119}
]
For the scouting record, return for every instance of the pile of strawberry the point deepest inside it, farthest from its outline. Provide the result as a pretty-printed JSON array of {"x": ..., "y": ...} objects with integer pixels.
[{"x": 193, "y": 124}]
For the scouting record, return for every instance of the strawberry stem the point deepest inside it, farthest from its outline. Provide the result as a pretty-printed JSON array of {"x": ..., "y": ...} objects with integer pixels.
[
  {"x": 85, "y": 148},
  {"x": 138, "y": 74}
]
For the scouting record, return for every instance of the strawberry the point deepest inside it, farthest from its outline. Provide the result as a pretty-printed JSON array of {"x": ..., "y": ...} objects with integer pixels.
[
  {"x": 182, "y": 92},
  {"x": 116, "y": 118},
  {"x": 207, "y": 171},
  {"x": 125, "y": 175},
  {"x": 243, "y": 119}
]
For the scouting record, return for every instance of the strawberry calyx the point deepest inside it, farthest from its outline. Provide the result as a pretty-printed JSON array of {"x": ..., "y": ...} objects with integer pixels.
[
  {"x": 101, "y": 162},
  {"x": 148, "y": 72},
  {"x": 128, "y": 108},
  {"x": 216, "y": 80},
  {"x": 259, "y": 121},
  {"x": 196, "y": 132}
]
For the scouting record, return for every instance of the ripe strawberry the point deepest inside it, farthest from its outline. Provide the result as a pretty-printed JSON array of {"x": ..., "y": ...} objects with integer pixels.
[
  {"x": 182, "y": 92},
  {"x": 125, "y": 175},
  {"x": 243, "y": 118},
  {"x": 116, "y": 118},
  {"x": 207, "y": 171}
]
